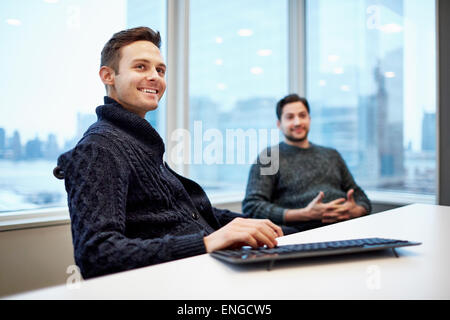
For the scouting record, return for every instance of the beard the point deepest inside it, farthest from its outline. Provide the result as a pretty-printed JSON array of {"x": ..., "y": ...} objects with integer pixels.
[{"x": 294, "y": 139}]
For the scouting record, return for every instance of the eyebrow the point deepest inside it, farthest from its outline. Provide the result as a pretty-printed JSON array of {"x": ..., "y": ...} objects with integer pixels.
[
  {"x": 299, "y": 112},
  {"x": 160, "y": 64}
]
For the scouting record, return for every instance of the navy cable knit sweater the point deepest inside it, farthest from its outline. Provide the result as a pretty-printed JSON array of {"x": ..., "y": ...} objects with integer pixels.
[{"x": 127, "y": 208}]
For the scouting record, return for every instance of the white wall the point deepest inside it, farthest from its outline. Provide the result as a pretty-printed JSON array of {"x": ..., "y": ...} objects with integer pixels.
[{"x": 34, "y": 258}]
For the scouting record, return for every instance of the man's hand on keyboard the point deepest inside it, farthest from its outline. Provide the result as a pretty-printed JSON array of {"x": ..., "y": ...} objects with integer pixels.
[{"x": 244, "y": 232}]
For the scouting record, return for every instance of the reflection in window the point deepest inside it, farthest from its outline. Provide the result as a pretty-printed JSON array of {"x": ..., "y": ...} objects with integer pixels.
[
  {"x": 238, "y": 71},
  {"x": 51, "y": 86},
  {"x": 371, "y": 81}
]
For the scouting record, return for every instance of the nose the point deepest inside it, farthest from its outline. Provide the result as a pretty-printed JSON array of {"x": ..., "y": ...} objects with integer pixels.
[
  {"x": 152, "y": 74},
  {"x": 297, "y": 120}
]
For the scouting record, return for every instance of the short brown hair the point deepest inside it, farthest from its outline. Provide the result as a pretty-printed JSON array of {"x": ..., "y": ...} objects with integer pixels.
[
  {"x": 111, "y": 51},
  {"x": 288, "y": 99}
]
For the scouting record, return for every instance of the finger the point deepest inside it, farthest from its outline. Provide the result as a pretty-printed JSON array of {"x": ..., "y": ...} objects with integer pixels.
[
  {"x": 259, "y": 230},
  {"x": 246, "y": 238},
  {"x": 267, "y": 235},
  {"x": 276, "y": 228},
  {"x": 318, "y": 198},
  {"x": 261, "y": 238},
  {"x": 341, "y": 209},
  {"x": 350, "y": 195},
  {"x": 336, "y": 208},
  {"x": 331, "y": 215},
  {"x": 335, "y": 216},
  {"x": 337, "y": 201}
]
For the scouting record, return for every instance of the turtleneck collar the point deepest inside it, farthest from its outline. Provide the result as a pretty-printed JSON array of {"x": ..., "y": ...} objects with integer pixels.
[
  {"x": 130, "y": 122},
  {"x": 287, "y": 147}
]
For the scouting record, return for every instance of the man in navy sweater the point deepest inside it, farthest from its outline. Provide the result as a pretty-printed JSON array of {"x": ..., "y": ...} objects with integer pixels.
[{"x": 128, "y": 208}]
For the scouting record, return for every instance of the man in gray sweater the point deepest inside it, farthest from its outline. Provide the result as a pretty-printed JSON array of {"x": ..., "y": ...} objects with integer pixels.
[{"x": 312, "y": 186}]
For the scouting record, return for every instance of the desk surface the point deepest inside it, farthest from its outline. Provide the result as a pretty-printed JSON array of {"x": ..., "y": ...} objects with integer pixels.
[{"x": 420, "y": 272}]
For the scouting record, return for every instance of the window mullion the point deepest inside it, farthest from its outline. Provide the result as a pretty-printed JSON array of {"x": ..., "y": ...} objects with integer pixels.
[
  {"x": 177, "y": 118},
  {"x": 296, "y": 49}
]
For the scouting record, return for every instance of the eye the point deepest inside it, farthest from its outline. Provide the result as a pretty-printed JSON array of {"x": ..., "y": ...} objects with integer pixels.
[
  {"x": 161, "y": 71},
  {"x": 140, "y": 67}
]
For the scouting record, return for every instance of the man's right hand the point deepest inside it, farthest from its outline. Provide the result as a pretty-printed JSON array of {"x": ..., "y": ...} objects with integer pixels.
[{"x": 244, "y": 232}]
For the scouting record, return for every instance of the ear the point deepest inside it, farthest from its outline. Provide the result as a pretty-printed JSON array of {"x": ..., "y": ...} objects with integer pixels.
[
  {"x": 278, "y": 124},
  {"x": 107, "y": 75}
]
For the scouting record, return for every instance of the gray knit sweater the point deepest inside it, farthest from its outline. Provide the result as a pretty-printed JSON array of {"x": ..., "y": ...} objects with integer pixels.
[{"x": 302, "y": 174}]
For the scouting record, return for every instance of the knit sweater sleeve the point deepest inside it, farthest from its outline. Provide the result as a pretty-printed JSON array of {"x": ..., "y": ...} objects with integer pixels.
[
  {"x": 96, "y": 181},
  {"x": 224, "y": 216},
  {"x": 349, "y": 183},
  {"x": 257, "y": 202}
]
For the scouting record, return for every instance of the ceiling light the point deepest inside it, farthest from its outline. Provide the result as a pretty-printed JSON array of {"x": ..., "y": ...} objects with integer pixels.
[
  {"x": 13, "y": 22},
  {"x": 256, "y": 70},
  {"x": 245, "y": 32},
  {"x": 389, "y": 74},
  {"x": 221, "y": 86},
  {"x": 333, "y": 58},
  {"x": 264, "y": 52}
]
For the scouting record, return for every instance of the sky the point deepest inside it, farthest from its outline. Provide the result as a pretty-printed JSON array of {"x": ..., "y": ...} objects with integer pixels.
[{"x": 52, "y": 68}]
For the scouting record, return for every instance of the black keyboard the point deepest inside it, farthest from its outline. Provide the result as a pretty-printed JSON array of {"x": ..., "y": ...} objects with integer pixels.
[{"x": 294, "y": 251}]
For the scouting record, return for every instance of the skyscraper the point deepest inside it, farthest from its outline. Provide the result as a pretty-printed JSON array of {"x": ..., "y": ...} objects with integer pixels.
[
  {"x": 16, "y": 146},
  {"x": 429, "y": 132},
  {"x": 2, "y": 142}
]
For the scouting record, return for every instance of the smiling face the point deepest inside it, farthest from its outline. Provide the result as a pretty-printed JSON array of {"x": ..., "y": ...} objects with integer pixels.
[
  {"x": 294, "y": 123},
  {"x": 139, "y": 83}
]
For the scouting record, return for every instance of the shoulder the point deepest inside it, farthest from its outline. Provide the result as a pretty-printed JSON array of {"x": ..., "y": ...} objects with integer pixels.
[
  {"x": 270, "y": 150},
  {"x": 102, "y": 129},
  {"x": 93, "y": 149},
  {"x": 325, "y": 150},
  {"x": 266, "y": 154},
  {"x": 105, "y": 135}
]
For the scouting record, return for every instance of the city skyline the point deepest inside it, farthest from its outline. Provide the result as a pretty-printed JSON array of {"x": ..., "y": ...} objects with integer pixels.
[{"x": 37, "y": 148}]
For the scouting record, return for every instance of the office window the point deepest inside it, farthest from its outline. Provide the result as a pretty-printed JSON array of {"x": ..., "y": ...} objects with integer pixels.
[
  {"x": 238, "y": 71},
  {"x": 371, "y": 82},
  {"x": 49, "y": 57}
]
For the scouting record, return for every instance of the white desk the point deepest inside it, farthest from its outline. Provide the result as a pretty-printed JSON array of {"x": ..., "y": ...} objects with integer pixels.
[{"x": 420, "y": 272}]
